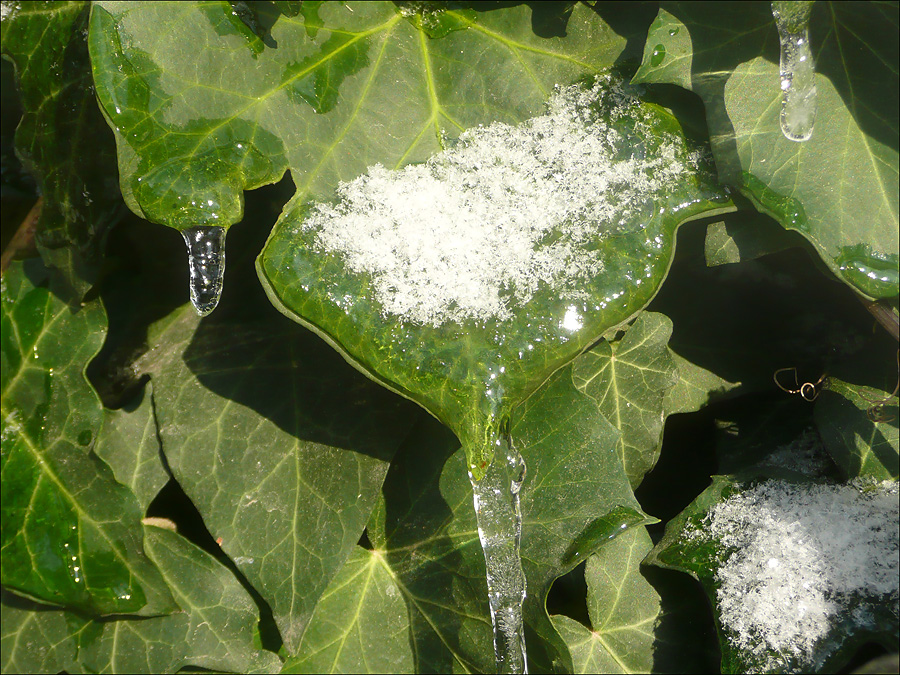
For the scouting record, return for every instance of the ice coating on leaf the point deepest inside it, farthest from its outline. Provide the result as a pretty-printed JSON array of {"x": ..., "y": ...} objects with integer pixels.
[
  {"x": 499, "y": 516},
  {"x": 479, "y": 227},
  {"x": 804, "y": 555},
  {"x": 206, "y": 259},
  {"x": 798, "y": 70}
]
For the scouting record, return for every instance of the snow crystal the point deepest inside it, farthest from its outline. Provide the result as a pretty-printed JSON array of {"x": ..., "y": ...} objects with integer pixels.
[
  {"x": 803, "y": 553},
  {"x": 484, "y": 224}
]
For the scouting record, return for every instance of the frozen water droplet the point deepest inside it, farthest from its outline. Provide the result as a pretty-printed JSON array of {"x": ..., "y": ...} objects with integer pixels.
[
  {"x": 206, "y": 259},
  {"x": 798, "y": 70},
  {"x": 499, "y": 517}
]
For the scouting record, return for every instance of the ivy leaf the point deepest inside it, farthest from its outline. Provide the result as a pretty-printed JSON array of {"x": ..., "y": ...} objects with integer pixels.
[
  {"x": 215, "y": 631},
  {"x": 629, "y": 379},
  {"x": 637, "y": 381},
  {"x": 791, "y": 589},
  {"x": 860, "y": 429},
  {"x": 848, "y": 209},
  {"x": 426, "y": 545},
  {"x": 193, "y": 134},
  {"x": 746, "y": 235},
  {"x": 631, "y": 630},
  {"x": 278, "y": 443},
  {"x": 62, "y": 138},
  {"x": 130, "y": 446},
  {"x": 70, "y": 532},
  {"x": 471, "y": 370},
  {"x": 360, "y": 624}
]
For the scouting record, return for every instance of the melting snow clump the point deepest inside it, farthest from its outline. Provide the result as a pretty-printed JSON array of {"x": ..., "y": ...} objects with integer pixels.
[
  {"x": 805, "y": 554},
  {"x": 483, "y": 224}
]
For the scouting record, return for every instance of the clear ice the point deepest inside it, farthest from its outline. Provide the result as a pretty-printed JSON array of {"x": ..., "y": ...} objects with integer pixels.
[
  {"x": 206, "y": 259},
  {"x": 798, "y": 70},
  {"x": 500, "y": 531}
]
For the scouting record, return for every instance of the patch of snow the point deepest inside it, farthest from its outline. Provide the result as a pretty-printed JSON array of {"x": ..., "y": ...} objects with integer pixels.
[
  {"x": 482, "y": 225},
  {"x": 804, "y": 555}
]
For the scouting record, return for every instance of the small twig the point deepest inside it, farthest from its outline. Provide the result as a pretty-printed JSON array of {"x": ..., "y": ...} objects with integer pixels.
[{"x": 23, "y": 239}]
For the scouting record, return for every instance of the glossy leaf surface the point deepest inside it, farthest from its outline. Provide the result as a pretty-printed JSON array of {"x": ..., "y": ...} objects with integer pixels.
[
  {"x": 215, "y": 630},
  {"x": 848, "y": 209},
  {"x": 62, "y": 138},
  {"x": 192, "y": 134},
  {"x": 471, "y": 372},
  {"x": 71, "y": 533}
]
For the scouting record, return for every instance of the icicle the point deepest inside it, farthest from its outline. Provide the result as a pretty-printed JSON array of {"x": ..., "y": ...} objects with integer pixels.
[
  {"x": 206, "y": 258},
  {"x": 500, "y": 530},
  {"x": 798, "y": 70}
]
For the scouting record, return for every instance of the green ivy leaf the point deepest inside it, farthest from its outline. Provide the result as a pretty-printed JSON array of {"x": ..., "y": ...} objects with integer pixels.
[
  {"x": 471, "y": 372},
  {"x": 625, "y": 612},
  {"x": 130, "y": 445},
  {"x": 215, "y": 631},
  {"x": 309, "y": 95},
  {"x": 859, "y": 426},
  {"x": 848, "y": 209},
  {"x": 62, "y": 138},
  {"x": 837, "y": 627},
  {"x": 746, "y": 235},
  {"x": 637, "y": 381},
  {"x": 426, "y": 545},
  {"x": 70, "y": 532},
  {"x": 360, "y": 624},
  {"x": 278, "y": 443}
]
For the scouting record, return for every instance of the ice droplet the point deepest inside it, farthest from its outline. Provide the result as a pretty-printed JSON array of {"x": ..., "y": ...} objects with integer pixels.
[
  {"x": 798, "y": 70},
  {"x": 206, "y": 259},
  {"x": 500, "y": 531}
]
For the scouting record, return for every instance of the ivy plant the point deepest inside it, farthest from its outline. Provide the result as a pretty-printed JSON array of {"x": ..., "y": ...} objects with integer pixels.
[{"x": 283, "y": 481}]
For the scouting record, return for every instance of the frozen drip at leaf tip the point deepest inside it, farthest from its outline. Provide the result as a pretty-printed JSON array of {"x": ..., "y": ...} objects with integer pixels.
[{"x": 206, "y": 262}]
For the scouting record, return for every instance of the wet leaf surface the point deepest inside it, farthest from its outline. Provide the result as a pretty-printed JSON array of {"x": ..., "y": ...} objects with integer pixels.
[
  {"x": 215, "y": 630},
  {"x": 71, "y": 533},
  {"x": 729, "y": 56}
]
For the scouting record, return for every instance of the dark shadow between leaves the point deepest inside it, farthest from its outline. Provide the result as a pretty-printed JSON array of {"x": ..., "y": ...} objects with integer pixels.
[{"x": 685, "y": 634}]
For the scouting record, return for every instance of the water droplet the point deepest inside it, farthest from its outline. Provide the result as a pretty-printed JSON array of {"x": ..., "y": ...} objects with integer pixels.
[
  {"x": 674, "y": 31},
  {"x": 496, "y": 498},
  {"x": 206, "y": 259},
  {"x": 658, "y": 55},
  {"x": 798, "y": 70}
]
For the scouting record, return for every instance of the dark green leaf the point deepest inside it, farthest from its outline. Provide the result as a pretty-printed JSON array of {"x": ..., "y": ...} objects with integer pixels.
[
  {"x": 361, "y": 624},
  {"x": 637, "y": 381},
  {"x": 215, "y": 631},
  {"x": 624, "y": 608},
  {"x": 63, "y": 139},
  {"x": 71, "y": 533},
  {"x": 839, "y": 188},
  {"x": 860, "y": 428},
  {"x": 280, "y": 445}
]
